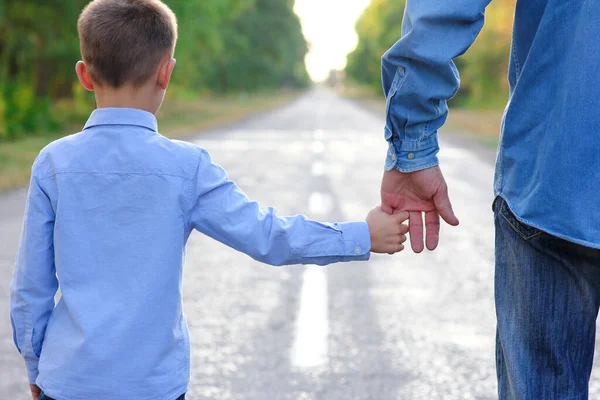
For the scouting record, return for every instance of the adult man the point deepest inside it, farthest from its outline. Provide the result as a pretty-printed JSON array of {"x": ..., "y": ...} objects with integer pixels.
[{"x": 547, "y": 284}]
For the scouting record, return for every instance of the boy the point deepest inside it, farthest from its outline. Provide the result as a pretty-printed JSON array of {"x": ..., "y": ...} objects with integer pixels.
[{"x": 109, "y": 213}]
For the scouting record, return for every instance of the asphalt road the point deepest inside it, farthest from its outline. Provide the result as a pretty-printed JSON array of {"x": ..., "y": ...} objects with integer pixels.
[{"x": 402, "y": 327}]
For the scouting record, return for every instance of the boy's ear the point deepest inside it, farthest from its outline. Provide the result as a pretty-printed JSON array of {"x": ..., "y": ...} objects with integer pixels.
[
  {"x": 84, "y": 76},
  {"x": 165, "y": 72}
]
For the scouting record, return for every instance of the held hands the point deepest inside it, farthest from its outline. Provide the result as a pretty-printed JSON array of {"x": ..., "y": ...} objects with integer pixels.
[
  {"x": 388, "y": 233},
  {"x": 418, "y": 192}
]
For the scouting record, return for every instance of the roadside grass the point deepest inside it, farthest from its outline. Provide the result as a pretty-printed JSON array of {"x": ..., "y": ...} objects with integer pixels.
[
  {"x": 482, "y": 125},
  {"x": 180, "y": 117}
]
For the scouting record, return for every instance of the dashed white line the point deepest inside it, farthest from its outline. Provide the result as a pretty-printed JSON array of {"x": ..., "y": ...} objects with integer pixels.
[
  {"x": 318, "y": 147},
  {"x": 318, "y": 168},
  {"x": 320, "y": 204},
  {"x": 311, "y": 347}
]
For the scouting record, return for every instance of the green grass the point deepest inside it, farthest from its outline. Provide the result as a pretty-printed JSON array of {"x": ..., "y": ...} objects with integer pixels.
[
  {"x": 16, "y": 159},
  {"x": 179, "y": 117}
]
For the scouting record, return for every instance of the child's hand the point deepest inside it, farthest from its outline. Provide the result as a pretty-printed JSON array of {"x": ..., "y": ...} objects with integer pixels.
[
  {"x": 35, "y": 391},
  {"x": 387, "y": 231}
]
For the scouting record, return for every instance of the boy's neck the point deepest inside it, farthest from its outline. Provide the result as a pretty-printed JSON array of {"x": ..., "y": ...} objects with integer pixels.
[{"x": 143, "y": 98}]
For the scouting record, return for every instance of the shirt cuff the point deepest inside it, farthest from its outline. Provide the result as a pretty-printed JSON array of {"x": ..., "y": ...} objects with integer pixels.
[
  {"x": 32, "y": 369},
  {"x": 356, "y": 240},
  {"x": 412, "y": 156}
]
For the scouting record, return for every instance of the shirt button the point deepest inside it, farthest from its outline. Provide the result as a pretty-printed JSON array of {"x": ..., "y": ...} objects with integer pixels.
[
  {"x": 357, "y": 250},
  {"x": 411, "y": 156},
  {"x": 393, "y": 155}
]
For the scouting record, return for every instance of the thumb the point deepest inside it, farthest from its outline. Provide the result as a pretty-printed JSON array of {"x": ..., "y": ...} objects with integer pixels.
[
  {"x": 386, "y": 208},
  {"x": 444, "y": 207},
  {"x": 401, "y": 216}
]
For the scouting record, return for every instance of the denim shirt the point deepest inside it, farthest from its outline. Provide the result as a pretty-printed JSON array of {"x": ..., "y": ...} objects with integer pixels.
[
  {"x": 108, "y": 215},
  {"x": 548, "y": 165}
]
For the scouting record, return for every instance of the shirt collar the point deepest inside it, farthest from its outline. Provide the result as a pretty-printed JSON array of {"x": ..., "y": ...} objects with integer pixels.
[{"x": 122, "y": 116}]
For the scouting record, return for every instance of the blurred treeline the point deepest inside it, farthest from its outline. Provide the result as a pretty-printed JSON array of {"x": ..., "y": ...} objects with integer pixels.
[
  {"x": 483, "y": 68},
  {"x": 224, "y": 46}
]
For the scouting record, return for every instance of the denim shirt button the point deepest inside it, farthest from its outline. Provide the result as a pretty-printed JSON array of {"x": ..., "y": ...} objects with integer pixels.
[
  {"x": 411, "y": 156},
  {"x": 357, "y": 250},
  {"x": 390, "y": 159}
]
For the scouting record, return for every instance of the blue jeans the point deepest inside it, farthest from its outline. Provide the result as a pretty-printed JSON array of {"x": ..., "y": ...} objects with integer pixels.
[
  {"x": 44, "y": 397},
  {"x": 547, "y": 297}
]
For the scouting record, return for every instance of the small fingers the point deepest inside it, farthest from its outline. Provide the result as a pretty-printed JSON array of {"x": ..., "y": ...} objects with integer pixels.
[
  {"x": 396, "y": 248},
  {"x": 402, "y": 229},
  {"x": 403, "y": 239},
  {"x": 401, "y": 216},
  {"x": 386, "y": 208}
]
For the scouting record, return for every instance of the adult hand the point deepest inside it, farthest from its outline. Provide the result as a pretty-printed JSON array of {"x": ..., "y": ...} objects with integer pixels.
[
  {"x": 35, "y": 391},
  {"x": 417, "y": 192}
]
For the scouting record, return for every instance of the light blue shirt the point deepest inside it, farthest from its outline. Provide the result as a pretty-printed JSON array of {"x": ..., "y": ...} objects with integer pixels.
[
  {"x": 548, "y": 166},
  {"x": 108, "y": 216}
]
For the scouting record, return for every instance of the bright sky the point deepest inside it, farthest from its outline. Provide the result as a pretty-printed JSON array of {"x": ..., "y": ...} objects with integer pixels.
[{"x": 329, "y": 28}]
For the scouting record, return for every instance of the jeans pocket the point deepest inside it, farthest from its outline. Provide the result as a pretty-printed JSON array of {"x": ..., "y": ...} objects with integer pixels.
[{"x": 525, "y": 231}]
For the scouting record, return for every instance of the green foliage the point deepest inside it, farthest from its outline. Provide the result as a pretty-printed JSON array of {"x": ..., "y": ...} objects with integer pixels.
[
  {"x": 378, "y": 28},
  {"x": 38, "y": 48},
  {"x": 224, "y": 46},
  {"x": 483, "y": 68},
  {"x": 258, "y": 45}
]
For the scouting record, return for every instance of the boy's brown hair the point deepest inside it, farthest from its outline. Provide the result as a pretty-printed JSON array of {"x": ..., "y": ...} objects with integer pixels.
[{"x": 123, "y": 41}]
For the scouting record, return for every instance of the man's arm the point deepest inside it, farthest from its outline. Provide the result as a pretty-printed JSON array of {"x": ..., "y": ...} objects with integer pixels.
[
  {"x": 34, "y": 282},
  {"x": 419, "y": 77}
]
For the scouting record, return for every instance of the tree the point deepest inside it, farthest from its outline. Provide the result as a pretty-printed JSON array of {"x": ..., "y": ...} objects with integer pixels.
[
  {"x": 224, "y": 45},
  {"x": 483, "y": 68}
]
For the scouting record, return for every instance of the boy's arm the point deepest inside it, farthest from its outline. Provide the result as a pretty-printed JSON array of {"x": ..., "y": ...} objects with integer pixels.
[
  {"x": 222, "y": 211},
  {"x": 34, "y": 282}
]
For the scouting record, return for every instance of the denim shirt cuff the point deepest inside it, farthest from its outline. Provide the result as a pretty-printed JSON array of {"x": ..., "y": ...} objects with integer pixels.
[{"x": 412, "y": 156}]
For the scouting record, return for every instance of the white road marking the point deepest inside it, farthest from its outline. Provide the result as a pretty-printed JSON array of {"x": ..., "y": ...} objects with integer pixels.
[
  {"x": 320, "y": 204},
  {"x": 318, "y": 168},
  {"x": 318, "y": 147},
  {"x": 311, "y": 348}
]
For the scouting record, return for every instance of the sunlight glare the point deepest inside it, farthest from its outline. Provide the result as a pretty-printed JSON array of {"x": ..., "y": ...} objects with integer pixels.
[{"x": 328, "y": 26}]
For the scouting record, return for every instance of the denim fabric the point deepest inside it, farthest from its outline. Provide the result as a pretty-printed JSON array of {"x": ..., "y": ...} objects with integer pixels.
[
  {"x": 44, "y": 397},
  {"x": 547, "y": 294},
  {"x": 108, "y": 215},
  {"x": 548, "y": 166}
]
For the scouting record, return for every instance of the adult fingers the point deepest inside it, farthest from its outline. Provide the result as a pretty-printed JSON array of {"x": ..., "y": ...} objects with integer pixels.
[
  {"x": 432, "y": 227},
  {"x": 415, "y": 226},
  {"x": 444, "y": 207}
]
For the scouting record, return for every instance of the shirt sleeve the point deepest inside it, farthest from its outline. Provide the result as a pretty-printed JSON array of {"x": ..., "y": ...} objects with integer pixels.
[
  {"x": 34, "y": 282},
  {"x": 419, "y": 76},
  {"x": 222, "y": 211}
]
